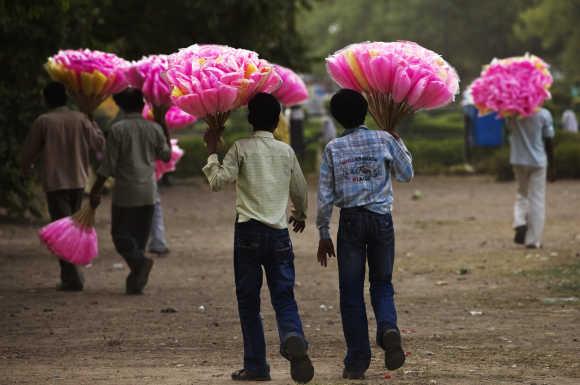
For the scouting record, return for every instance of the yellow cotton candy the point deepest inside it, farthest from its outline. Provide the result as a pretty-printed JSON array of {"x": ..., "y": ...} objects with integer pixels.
[
  {"x": 356, "y": 71},
  {"x": 87, "y": 83},
  {"x": 99, "y": 82},
  {"x": 250, "y": 69}
]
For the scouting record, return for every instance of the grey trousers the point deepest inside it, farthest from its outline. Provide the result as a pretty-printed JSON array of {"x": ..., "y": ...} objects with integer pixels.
[{"x": 530, "y": 205}]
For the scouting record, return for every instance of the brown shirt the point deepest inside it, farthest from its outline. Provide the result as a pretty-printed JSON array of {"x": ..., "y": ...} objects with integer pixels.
[{"x": 61, "y": 141}]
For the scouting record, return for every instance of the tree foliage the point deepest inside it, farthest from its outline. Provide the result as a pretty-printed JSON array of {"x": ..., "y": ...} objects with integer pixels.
[
  {"x": 554, "y": 23},
  {"x": 468, "y": 33}
]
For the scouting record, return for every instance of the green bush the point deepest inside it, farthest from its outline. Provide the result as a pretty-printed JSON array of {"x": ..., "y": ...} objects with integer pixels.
[
  {"x": 568, "y": 160},
  {"x": 435, "y": 156}
]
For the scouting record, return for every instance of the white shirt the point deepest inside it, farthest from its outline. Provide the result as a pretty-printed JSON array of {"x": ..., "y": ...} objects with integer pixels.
[{"x": 569, "y": 121}]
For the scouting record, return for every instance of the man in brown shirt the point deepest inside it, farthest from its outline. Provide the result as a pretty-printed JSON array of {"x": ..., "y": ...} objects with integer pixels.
[
  {"x": 60, "y": 142},
  {"x": 133, "y": 145}
]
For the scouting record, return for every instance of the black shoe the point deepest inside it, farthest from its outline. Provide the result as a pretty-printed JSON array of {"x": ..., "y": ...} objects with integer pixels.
[
  {"x": 246, "y": 375},
  {"x": 160, "y": 253},
  {"x": 70, "y": 286},
  {"x": 301, "y": 369},
  {"x": 394, "y": 354},
  {"x": 352, "y": 375},
  {"x": 137, "y": 279},
  {"x": 520, "y": 236}
]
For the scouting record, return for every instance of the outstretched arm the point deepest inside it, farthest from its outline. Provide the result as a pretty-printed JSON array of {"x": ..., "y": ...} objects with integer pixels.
[
  {"x": 219, "y": 174},
  {"x": 325, "y": 204},
  {"x": 402, "y": 160},
  {"x": 298, "y": 196}
]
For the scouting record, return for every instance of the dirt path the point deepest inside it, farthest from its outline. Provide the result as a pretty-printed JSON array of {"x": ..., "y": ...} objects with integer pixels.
[{"x": 454, "y": 256}]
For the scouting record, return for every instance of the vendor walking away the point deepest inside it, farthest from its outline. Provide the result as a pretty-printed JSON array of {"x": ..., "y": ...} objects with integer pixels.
[
  {"x": 60, "y": 142},
  {"x": 133, "y": 145},
  {"x": 267, "y": 173},
  {"x": 532, "y": 159},
  {"x": 355, "y": 175}
]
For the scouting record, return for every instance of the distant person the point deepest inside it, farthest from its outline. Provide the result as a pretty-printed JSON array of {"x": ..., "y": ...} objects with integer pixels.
[
  {"x": 133, "y": 145},
  {"x": 531, "y": 155},
  {"x": 355, "y": 175},
  {"x": 297, "y": 117},
  {"x": 60, "y": 142},
  {"x": 470, "y": 115},
  {"x": 266, "y": 173},
  {"x": 328, "y": 129},
  {"x": 569, "y": 121}
]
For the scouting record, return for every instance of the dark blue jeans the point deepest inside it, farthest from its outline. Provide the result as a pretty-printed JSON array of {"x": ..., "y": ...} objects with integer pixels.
[
  {"x": 257, "y": 245},
  {"x": 365, "y": 236}
]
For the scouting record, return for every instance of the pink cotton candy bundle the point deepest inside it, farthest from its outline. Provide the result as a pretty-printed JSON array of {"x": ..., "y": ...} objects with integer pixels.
[
  {"x": 292, "y": 90},
  {"x": 175, "y": 117},
  {"x": 397, "y": 78},
  {"x": 165, "y": 167},
  {"x": 147, "y": 74},
  {"x": 209, "y": 81},
  {"x": 73, "y": 239},
  {"x": 90, "y": 76},
  {"x": 515, "y": 86}
]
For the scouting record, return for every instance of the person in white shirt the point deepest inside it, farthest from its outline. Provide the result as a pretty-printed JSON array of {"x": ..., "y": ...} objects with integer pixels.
[
  {"x": 531, "y": 155},
  {"x": 569, "y": 121}
]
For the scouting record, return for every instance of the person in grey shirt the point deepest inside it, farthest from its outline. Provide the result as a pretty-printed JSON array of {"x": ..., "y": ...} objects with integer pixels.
[
  {"x": 133, "y": 145},
  {"x": 531, "y": 156}
]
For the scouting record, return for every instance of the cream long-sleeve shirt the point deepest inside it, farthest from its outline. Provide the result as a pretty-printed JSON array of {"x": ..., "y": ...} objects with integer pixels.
[{"x": 267, "y": 174}]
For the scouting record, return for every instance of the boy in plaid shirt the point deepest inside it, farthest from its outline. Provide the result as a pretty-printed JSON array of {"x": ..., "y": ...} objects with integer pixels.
[{"x": 355, "y": 175}]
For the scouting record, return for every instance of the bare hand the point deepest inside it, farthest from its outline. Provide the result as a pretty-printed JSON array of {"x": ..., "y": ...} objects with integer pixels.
[
  {"x": 297, "y": 226},
  {"x": 95, "y": 199},
  {"x": 325, "y": 251}
]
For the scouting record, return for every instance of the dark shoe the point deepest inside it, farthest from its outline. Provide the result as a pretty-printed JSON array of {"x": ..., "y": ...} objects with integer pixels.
[
  {"x": 160, "y": 253},
  {"x": 70, "y": 286},
  {"x": 533, "y": 246},
  {"x": 394, "y": 354},
  {"x": 352, "y": 375},
  {"x": 137, "y": 279},
  {"x": 520, "y": 236},
  {"x": 301, "y": 369},
  {"x": 246, "y": 375}
]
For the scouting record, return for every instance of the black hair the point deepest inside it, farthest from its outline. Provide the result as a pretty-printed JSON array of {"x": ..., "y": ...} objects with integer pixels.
[
  {"x": 130, "y": 100},
  {"x": 264, "y": 112},
  {"x": 54, "y": 94},
  {"x": 349, "y": 108}
]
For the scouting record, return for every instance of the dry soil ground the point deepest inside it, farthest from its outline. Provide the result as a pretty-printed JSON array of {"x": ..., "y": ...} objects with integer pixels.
[{"x": 474, "y": 308}]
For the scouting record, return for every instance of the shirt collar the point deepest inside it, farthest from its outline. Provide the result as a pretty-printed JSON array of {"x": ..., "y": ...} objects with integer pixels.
[
  {"x": 263, "y": 134},
  {"x": 353, "y": 130}
]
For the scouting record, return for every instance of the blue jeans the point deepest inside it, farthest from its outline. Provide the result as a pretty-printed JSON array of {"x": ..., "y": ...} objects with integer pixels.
[
  {"x": 257, "y": 245},
  {"x": 365, "y": 236}
]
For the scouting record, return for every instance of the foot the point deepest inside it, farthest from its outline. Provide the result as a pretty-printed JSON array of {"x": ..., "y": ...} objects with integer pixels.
[
  {"x": 137, "y": 279},
  {"x": 70, "y": 286},
  {"x": 394, "y": 354},
  {"x": 160, "y": 252},
  {"x": 246, "y": 375},
  {"x": 520, "y": 235},
  {"x": 352, "y": 375},
  {"x": 533, "y": 246},
  {"x": 301, "y": 369}
]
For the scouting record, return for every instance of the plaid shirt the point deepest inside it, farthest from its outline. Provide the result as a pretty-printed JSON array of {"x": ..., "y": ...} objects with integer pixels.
[{"x": 355, "y": 172}]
